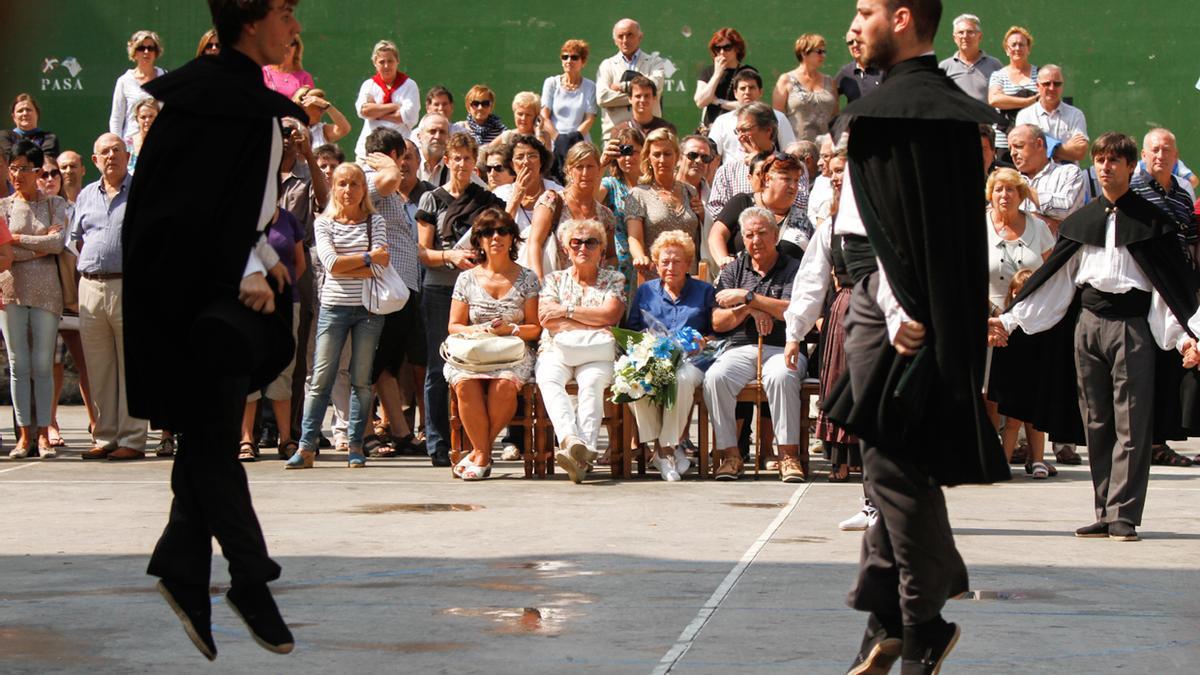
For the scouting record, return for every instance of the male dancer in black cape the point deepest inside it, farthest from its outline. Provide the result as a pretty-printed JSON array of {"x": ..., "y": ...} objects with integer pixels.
[
  {"x": 911, "y": 218},
  {"x": 1100, "y": 321},
  {"x": 200, "y": 319}
]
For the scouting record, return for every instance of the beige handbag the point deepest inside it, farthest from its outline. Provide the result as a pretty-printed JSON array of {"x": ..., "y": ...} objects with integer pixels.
[{"x": 482, "y": 352}]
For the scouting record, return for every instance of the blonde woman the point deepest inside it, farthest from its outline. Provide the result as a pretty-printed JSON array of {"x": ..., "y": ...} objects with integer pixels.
[
  {"x": 527, "y": 119},
  {"x": 389, "y": 98},
  {"x": 289, "y": 75},
  {"x": 351, "y": 243},
  {"x": 210, "y": 44},
  {"x": 144, "y": 49},
  {"x": 145, "y": 112},
  {"x": 1013, "y": 87},
  {"x": 661, "y": 202},
  {"x": 806, "y": 95}
]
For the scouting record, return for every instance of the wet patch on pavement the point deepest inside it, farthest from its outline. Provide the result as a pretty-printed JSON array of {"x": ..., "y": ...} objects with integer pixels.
[
  {"x": 375, "y": 509},
  {"x": 757, "y": 505}
]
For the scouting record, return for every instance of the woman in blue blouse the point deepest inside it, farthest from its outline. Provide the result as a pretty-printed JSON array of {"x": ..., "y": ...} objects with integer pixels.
[{"x": 674, "y": 300}]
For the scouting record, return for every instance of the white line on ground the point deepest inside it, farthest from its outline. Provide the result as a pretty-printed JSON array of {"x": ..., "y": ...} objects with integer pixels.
[
  {"x": 709, "y": 608},
  {"x": 18, "y": 468}
]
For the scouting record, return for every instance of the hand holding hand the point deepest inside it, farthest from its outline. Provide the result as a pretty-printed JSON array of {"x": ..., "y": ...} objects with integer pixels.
[
  {"x": 909, "y": 338},
  {"x": 280, "y": 275},
  {"x": 1191, "y": 355},
  {"x": 997, "y": 335}
]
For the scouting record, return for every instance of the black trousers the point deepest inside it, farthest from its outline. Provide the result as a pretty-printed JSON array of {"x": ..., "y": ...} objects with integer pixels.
[
  {"x": 909, "y": 565},
  {"x": 212, "y": 497}
]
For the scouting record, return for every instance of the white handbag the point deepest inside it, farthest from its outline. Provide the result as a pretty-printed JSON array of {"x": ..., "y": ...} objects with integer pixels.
[
  {"x": 578, "y": 347},
  {"x": 385, "y": 292},
  {"x": 483, "y": 352}
]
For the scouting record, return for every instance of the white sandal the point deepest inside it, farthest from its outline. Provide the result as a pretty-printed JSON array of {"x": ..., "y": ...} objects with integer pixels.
[
  {"x": 1040, "y": 471},
  {"x": 476, "y": 472},
  {"x": 462, "y": 466}
]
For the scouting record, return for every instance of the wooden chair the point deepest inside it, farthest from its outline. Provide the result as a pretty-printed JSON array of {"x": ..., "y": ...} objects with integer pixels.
[
  {"x": 545, "y": 444},
  {"x": 523, "y": 418},
  {"x": 633, "y": 447},
  {"x": 809, "y": 388}
]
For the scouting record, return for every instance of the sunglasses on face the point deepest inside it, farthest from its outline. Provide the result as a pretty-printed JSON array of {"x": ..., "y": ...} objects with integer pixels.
[
  {"x": 694, "y": 156},
  {"x": 571, "y": 57},
  {"x": 590, "y": 243},
  {"x": 146, "y": 48},
  {"x": 724, "y": 48},
  {"x": 212, "y": 47},
  {"x": 52, "y": 173},
  {"x": 494, "y": 232},
  {"x": 820, "y": 52},
  {"x": 492, "y": 168},
  {"x": 1052, "y": 83},
  {"x": 481, "y": 104}
]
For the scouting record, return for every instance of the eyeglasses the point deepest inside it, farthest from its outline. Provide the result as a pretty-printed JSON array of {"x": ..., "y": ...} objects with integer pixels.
[
  {"x": 24, "y": 169},
  {"x": 1051, "y": 83},
  {"x": 212, "y": 47},
  {"x": 821, "y": 51},
  {"x": 727, "y": 47},
  {"x": 146, "y": 48},
  {"x": 572, "y": 57},
  {"x": 590, "y": 243},
  {"x": 693, "y": 156},
  {"x": 851, "y": 43},
  {"x": 492, "y": 168},
  {"x": 481, "y": 104},
  {"x": 743, "y": 130},
  {"x": 964, "y": 33}
]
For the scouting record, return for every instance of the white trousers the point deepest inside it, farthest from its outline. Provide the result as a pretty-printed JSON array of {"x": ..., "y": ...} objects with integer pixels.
[
  {"x": 732, "y": 371},
  {"x": 666, "y": 426},
  {"x": 552, "y": 377}
]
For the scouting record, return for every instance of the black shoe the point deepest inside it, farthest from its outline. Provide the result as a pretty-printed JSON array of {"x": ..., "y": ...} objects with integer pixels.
[
  {"x": 880, "y": 649},
  {"x": 194, "y": 609},
  {"x": 257, "y": 609},
  {"x": 1122, "y": 531},
  {"x": 269, "y": 438},
  {"x": 323, "y": 442},
  {"x": 927, "y": 645},
  {"x": 440, "y": 457},
  {"x": 1096, "y": 530}
]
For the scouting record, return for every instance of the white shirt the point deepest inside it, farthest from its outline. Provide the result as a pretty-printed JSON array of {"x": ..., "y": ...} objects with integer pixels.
[
  {"x": 723, "y": 132},
  {"x": 820, "y": 200},
  {"x": 408, "y": 95},
  {"x": 1110, "y": 269},
  {"x": 122, "y": 120},
  {"x": 1006, "y": 257},
  {"x": 1059, "y": 189},
  {"x": 1060, "y": 124},
  {"x": 810, "y": 286},
  {"x": 262, "y": 257}
]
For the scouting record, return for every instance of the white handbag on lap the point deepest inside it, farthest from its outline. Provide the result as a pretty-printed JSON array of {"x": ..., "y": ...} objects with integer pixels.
[
  {"x": 482, "y": 352},
  {"x": 578, "y": 347}
]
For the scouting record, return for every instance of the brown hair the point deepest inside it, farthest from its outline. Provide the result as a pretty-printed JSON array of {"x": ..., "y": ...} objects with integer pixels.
[
  {"x": 228, "y": 16},
  {"x": 494, "y": 218},
  {"x": 1017, "y": 283},
  {"x": 731, "y": 36},
  {"x": 25, "y": 97},
  {"x": 573, "y": 46},
  {"x": 464, "y": 142},
  {"x": 481, "y": 91},
  {"x": 807, "y": 43},
  {"x": 1017, "y": 29},
  {"x": 1116, "y": 144}
]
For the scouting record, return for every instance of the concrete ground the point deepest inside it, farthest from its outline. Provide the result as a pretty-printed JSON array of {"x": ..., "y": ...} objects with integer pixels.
[{"x": 398, "y": 568}]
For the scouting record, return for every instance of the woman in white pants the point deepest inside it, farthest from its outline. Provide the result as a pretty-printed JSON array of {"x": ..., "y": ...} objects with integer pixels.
[
  {"x": 577, "y": 306},
  {"x": 675, "y": 300}
]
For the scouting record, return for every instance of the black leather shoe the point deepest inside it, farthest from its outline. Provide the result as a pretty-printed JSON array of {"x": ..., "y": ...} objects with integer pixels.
[
  {"x": 926, "y": 647},
  {"x": 880, "y": 649},
  {"x": 1122, "y": 531},
  {"x": 1096, "y": 530},
  {"x": 440, "y": 457},
  {"x": 256, "y": 607},
  {"x": 194, "y": 609}
]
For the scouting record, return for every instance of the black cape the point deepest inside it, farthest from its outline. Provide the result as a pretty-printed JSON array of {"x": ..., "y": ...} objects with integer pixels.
[
  {"x": 1051, "y": 402},
  {"x": 917, "y": 169},
  {"x": 189, "y": 226}
]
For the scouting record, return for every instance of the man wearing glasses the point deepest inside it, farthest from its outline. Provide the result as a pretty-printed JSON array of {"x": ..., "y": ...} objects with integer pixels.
[
  {"x": 970, "y": 67},
  {"x": 747, "y": 88},
  {"x": 1064, "y": 124},
  {"x": 857, "y": 78},
  {"x": 613, "y": 87}
]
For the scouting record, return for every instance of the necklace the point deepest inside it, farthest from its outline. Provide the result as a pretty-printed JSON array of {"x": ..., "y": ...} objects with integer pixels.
[{"x": 567, "y": 85}]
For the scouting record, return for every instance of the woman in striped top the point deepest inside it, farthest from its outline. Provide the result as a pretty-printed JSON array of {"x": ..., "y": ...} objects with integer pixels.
[
  {"x": 1014, "y": 86},
  {"x": 351, "y": 244}
]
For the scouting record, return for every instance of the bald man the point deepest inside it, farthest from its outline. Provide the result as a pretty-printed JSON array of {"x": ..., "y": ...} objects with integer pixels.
[
  {"x": 612, "y": 86},
  {"x": 70, "y": 163},
  {"x": 1064, "y": 125}
]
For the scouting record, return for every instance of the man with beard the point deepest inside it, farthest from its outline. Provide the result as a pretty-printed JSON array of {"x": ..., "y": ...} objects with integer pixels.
[
  {"x": 912, "y": 226},
  {"x": 207, "y": 314}
]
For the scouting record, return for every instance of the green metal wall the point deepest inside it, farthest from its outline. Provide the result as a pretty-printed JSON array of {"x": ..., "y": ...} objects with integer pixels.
[{"x": 1129, "y": 65}]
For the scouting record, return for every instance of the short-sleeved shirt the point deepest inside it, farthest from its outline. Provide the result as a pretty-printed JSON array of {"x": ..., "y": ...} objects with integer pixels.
[
  {"x": 1006, "y": 257},
  {"x": 776, "y": 283},
  {"x": 561, "y": 287},
  {"x": 854, "y": 82},
  {"x": 1065, "y": 121},
  {"x": 692, "y": 308},
  {"x": 568, "y": 108},
  {"x": 97, "y": 223},
  {"x": 282, "y": 235},
  {"x": 972, "y": 78},
  {"x": 402, "y": 242},
  {"x": 657, "y": 216},
  {"x": 1176, "y": 203}
]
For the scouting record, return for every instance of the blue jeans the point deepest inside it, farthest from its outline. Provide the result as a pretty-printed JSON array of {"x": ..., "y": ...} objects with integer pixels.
[
  {"x": 435, "y": 306},
  {"x": 335, "y": 325},
  {"x": 30, "y": 361}
]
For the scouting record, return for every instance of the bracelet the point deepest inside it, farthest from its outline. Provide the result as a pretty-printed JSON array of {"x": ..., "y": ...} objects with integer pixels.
[
  {"x": 514, "y": 328},
  {"x": 446, "y": 261},
  {"x": 570, "y": 311}
]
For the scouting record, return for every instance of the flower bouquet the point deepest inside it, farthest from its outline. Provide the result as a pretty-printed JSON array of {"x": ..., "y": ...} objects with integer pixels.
[{"x": 651, "y": 359}]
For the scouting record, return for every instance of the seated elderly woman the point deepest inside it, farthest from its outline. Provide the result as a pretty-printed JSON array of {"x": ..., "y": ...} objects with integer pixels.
[
  {"x": 752, "y": 295},
  {"x": 577, "y": 307},
  {"x": 675, "y": 299},
  {"x": 496, "y": 297}
]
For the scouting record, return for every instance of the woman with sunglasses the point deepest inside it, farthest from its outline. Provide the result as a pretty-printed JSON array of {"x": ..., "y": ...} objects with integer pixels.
[
  {"x": 661, "y": 203},
  {"x": 210, "y": 44},
  {"x": 714, "y": 87},
  {"x": 289, "y": 75},
  {"x": 25, "y": 117},
  {"x": 569, "y": 99},
  {"x": 495, "y": 164},
  {"x": 584, "y": 297},
  {"x": 482, "y": 122},
  {"x": 806, "y": 95},
  {"x": 496, "y": 297},
  {"x": 144, "y": 50},
  {"x": 32, "y": 296},
  {"x": 577, "y": 202}
]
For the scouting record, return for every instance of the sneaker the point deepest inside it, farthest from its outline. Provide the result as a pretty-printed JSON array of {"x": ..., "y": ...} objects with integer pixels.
[
  {"x": 1122, "y": 531},
  {"x": 682, "y": 463},
  {"x": 19, "y": 452},
  {"x": 564, "y": 460},
  {"x": 857, "y": 522},
  {"x": 510, "y": 453},
  {"x": 48, "y": 452},
  {"x": 879, "y": 650},
  {"x": 194, "y": 609},
  {"x": 1096, "y": 530},
  {"x": 927, "y": 645},
  {"x": 257, "y": 609},
  {"x": 666, "y": 467}
]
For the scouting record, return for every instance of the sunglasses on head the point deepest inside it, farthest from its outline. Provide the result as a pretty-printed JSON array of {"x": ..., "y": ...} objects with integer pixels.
[
  {"x": 481, "y": 104},
  {"x": 698, "y": 156},
  {"x": 590, "y": 243},
  {"x": 572, "y": 57},
  {"x": 146, "y": 48}
]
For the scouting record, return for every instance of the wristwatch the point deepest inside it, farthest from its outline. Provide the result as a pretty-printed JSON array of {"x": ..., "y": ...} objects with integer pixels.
[
  {"x": 366, "y": 259},
  {"x": 570, "y": 311},
  {"x": 749, "y": 297}
]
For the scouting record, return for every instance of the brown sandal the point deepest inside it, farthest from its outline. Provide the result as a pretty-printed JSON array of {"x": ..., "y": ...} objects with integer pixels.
[{"x": 247, "y": 452}]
